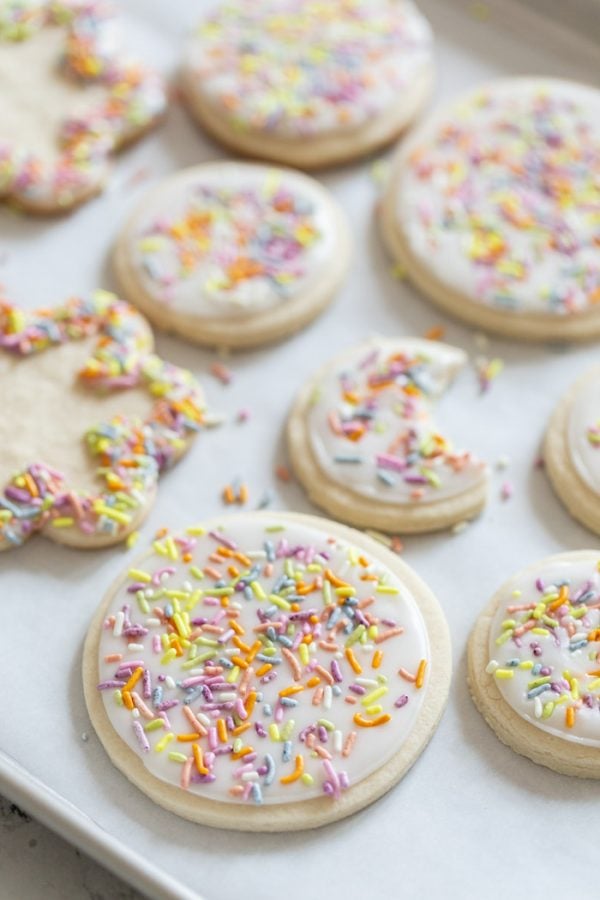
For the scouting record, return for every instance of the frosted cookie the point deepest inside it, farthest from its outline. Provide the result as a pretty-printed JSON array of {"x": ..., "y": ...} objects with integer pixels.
[
  {"x": 233, "y": 254},
  {"x": 492, "y": 208},
  {"x": 572, "y": 450},
  {"x": 90, "y": 418},
  {"x": 70, "y": 98},
  {"x": 534, "y": 663},
  {"x": 363, "y": 442},
  {"x": 266, "y": 672},
  {"x": 305, "y": 82}
]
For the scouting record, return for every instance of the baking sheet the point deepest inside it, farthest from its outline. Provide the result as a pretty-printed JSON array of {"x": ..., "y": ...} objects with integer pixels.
[{"x": 471, "y": 818}]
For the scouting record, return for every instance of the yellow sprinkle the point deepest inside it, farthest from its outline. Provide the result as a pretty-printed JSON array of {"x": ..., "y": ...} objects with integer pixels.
[
  {"x": 132, "y": 539},
  {"x": 63, "y": 522},
  {"x": 274, "y": 732},
  {"x": 154, "y": 725},
  {"x": 233, "y": 675},
  {"x": 139, "y": 575},
  {"x": 174, "y": 756},
  {"x": 504, "y": 673},
  {"x": 168, "y": 656},
  {"x": 374, "y": 695},
  {"x": 304, "y": 654},
  {"x": 164, "y": 742},
  {"x": 257, "y": 590}
]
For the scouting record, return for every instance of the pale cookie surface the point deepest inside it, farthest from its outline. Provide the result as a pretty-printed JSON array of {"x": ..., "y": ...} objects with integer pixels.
[
  {"x": 306, "y": 82},
  {"x": 267, "y": 671},
  {"x": 233, "y": 254},
  {"x": 572, "y": 449},
  {"x": 90, "y": 418},
  {"x": 534, "y": 663},
  {"x": 70, "y": 98},
  {"x": 492, "y": 207},
  {"x": 363, "y": 442}
]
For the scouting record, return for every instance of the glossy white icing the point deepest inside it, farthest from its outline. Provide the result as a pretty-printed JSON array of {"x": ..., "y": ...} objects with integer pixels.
[
  {"x": 583, "y": 433},
  {"x": 296, "y": 572},
  {"x": 546, "y": 656},
  {"x": 304, "y": 67},
  {"x": 370, "y": 423},
  {"x": 232, "y": 239},
  {"x": 500, "y": 196}
]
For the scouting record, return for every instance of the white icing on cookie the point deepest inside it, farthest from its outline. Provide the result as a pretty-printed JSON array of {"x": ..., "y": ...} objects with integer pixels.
[
  {"x": 232, "y": 239},
  {"x": 545, "y": 646},
  {"x": 370, "y": 425},
  {"x": 499, "y": 197},
  {"x": 583, "y": 433},
  {"x": 308, "y": 67},
  {"x": 272, "y": 624}
]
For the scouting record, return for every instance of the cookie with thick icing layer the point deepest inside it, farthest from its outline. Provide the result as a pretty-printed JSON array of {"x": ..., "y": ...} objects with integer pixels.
[
  {"x": 364, "y": 445},
  {"x": 572, "y": 449},
  {"x": 534, "y": 663},
  {"x": 233, "y": 254},
  {"x": 266, "y": 671},
  {"x": 70, "y": 98},
  {"x": 492, "y": 209},
  {"x": 90, "y": 418},
  {"x": 308, "y": 83}
]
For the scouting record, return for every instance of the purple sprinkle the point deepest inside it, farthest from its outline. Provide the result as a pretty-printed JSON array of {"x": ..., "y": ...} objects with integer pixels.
[{"x": 401, "y": 701}]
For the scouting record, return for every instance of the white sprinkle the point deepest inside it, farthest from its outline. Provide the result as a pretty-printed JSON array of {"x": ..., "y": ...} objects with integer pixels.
[
  {"x": 491, "y": 667},
  {"x": 170, "y": 682},
  {"x": 327, "y": 695},
  {"x": 118, "y": 626}
]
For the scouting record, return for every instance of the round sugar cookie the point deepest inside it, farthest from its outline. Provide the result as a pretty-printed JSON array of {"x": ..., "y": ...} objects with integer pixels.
[
  {"x": 308, "y": 83},
  {"x": 90, "y": 418},
  {"x": 363, "y": 443},
  {"x": 70, "y": 98},
  {"x": 266, "y": 671},
  {"x": 492, "y": 206},
  {"x": 572, "y": 449},
  {"x": 233, "y": 254},
  {"x": 534, "y": 663}
]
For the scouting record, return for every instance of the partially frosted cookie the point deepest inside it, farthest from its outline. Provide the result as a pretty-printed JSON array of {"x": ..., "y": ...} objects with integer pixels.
[
  {"x": 233, "y": 254},
  {"x": 363, "y": 442},
  {"x": 70, "y": 97},
  {"x": 492, "y": 208},
  {"x": 90, "y": 418},
  {"x": 534, "y": 663},
  {"x": 572, "y": 450},
  {"x": 266, "y": 672},
  {"x": 305, "y": 82}
]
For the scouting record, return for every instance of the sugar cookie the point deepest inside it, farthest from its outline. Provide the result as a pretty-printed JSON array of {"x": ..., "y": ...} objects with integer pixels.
[
  {"x": 492, "y": 208},
  {"x": 533, "y": 662},
  {"x": 305, "y": 82},
  {"x": 362, "y": 441},
  {"x": 572, "y": 450},
  {"x": 69, "y": 99},
  {"x": 267, "y": 671},
  {"x": 233, "y": 254},
  {"x": 90, "y": 418}
]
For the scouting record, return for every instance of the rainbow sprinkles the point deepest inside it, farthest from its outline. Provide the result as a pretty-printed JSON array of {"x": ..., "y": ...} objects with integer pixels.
[
  {"x": 260, "y": 661},
  {"x": 133, "y": 99},
  {"x": 130, "y": 453}
]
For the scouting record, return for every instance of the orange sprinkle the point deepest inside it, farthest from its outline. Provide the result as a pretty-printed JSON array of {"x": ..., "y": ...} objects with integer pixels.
[
  {"x": 243, "y": 751},
  {"x": 253, "y": 650},
  {"x": 334, "y": 580},
  {"x": 236, "y": 626},
  {"x": 420, "y": 678},
  {"x": 349, "y": 744},
  {"x": 222, "y": 730},
  {"x": 266, "y": 667},
  {"x": 570, "y": 716},
  {"x": 240, "y": 645},
  {"x": 313, "y": 682},
  {"x": 436, "y": 333},
  {"x": 250, "y": 701},
  {"x": 293, "y": 663},
  {"x": 240, "y": 729},
  {"x": 127, "y": 699},
  {"x": 324, "y": 674},
  {"x": 184, "y": 738},
  {"x": 198, "y": 726},
  {"x": 371, "y": 723},
  {"x": 283, "y": 473},
  {"x": 243, "y": 494},
  {"x": 199, "y": 760},
  {"x": 353, "y": 660},
  {"x": 296, "y": 774},
  {"x": 292, "y": 689},
  {"x": 238, "y": 661},
  {"x": 113, "y": 657},
  {"x": 377, "y": 657},
  {"x": 133, "y": 680},
  {"x": 242, "y": 558}
]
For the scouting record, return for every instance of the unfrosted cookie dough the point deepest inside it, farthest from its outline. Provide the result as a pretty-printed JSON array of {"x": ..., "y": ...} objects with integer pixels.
[
  {"x": 267, "y": 671},
  {"x": 572, "y": 449},
  {"x": 534, "y": 663},
  {"x": 233, "y": 254},
  {"x": 363, "y": 442},
  {"x": 305, "y": 82},
  {"x": 492, "y": 208},
  {"x": 90, "y": 418},
  {"x": 70, "y": 98}
]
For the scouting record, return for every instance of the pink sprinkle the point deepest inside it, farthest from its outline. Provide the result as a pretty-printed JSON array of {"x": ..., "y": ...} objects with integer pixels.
[{"x": 506, "y": 491}]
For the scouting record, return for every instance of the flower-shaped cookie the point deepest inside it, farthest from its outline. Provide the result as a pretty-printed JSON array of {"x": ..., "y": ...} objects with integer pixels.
[
  {"x": 69, "y": 99},
  {"x": 98, "y": 367}
]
